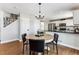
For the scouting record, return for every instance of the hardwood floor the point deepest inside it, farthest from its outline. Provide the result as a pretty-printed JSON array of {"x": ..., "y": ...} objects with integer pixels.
[
  {"x": 15, "y": 48},
  {"x": 12, "y": 48}
]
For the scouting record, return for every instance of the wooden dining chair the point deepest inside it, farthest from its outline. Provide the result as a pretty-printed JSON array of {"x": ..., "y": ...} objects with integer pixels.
[
  {"x": 54, "y": 43},
  {"x": 25, "y": 43},
  {"x": 36, "y": 46}
]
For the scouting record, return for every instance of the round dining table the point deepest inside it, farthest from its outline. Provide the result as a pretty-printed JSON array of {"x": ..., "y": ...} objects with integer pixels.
[{"x": 47, "y": 37}]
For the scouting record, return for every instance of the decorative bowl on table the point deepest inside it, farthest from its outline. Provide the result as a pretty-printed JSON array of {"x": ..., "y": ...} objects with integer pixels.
[{"x": 37, "y": 35}]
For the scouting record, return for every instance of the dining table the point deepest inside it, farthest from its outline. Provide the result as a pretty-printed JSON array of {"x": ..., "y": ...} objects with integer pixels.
[{"x": 47, "y": 37}]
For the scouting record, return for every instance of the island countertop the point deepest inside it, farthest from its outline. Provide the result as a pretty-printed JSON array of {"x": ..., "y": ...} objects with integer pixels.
[{"x": 70, "y": 32}]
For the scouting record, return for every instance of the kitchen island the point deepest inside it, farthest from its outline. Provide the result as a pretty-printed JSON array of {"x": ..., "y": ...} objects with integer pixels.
[
  {"x": 66, "y": 31},
  {"x": 69, "y": 39}
]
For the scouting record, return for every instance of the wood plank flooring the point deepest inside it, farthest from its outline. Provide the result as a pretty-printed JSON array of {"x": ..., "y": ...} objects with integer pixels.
[
  {"x": 15, "y": 48},
  {"x": 12, "y": 48}
]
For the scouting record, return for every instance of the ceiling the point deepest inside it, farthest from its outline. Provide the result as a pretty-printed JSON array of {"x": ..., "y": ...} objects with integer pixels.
[{"x": 50, "y": 10}]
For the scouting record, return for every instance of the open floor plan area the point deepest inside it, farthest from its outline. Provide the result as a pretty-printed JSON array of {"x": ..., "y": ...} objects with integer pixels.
[{"x": 39, "y": 28}]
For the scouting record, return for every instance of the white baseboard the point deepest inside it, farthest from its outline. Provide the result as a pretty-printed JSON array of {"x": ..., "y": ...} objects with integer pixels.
[
  {"x": 77, "y": 48},
  {"x": 7, "y": 41}
]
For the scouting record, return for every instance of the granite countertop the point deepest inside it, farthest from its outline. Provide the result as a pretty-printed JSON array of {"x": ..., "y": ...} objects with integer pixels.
[
  {"x": 71, "y": 32},
  {"x": 62, "y": 31}
]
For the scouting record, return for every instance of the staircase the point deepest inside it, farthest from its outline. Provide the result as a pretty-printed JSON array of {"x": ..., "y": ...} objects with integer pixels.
[{"x": 10, "y": 20}]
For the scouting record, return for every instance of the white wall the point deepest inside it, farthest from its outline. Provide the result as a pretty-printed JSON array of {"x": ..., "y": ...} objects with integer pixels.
[
  {"x": 1, "y": 19},
  {"x": 16, "y": 29},
  {"x": 42, "y": 26},
  {"x": 28, "y": 23},
  {"x": 24, "y": 24},
  {"x": 34, "y": 25},
  {"x": 9, "y": 32},
  {"x": 13, "y": 31},
  {"x": 0, "y": 31},
  {"x": 32, "y": 30}
]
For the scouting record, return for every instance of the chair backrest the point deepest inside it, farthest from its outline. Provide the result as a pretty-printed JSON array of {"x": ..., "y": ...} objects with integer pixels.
[
  {"x": 24, "y": 37},
  {"x": 56, "y": 37},
  {"x": 36, "y": 45}
]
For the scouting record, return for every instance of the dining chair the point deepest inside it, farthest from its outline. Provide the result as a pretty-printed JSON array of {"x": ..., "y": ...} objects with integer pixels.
[
  {"x": 36, "y": 46},
  {"x": 54, "y": 43},
  {"x": 25, "y": 42}
]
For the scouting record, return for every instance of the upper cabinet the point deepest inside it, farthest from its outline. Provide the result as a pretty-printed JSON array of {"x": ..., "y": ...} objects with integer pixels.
[{"x": 76, "y": 17}]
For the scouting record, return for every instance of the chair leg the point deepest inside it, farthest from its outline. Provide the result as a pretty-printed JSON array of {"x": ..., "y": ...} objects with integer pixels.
[
  {"x": 23, "y": 48},
  {"x": 43, "y": 52},
  {"x": 29, "y": 52},
  {"x": 26, "y": 47},
  {"x": 57, "y": 49},
  {"x": 47, "y": 49},
  {"x": 53, "y": 47}
]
